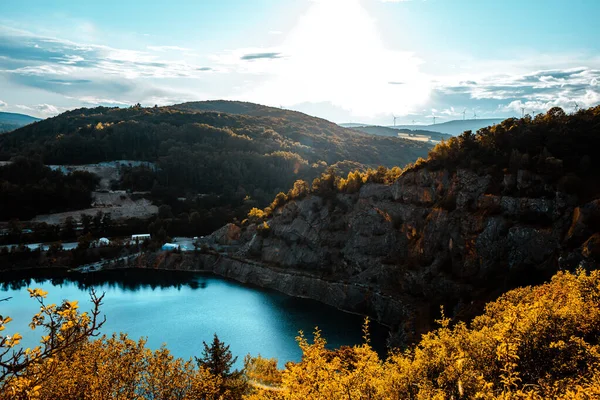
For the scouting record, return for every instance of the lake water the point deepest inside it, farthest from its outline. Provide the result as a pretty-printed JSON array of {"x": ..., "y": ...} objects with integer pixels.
[{"x": 183, "y": 309}]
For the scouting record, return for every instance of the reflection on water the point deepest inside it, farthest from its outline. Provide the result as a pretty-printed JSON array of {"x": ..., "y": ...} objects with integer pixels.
[
  {"x": 125, "y": 280},
  {"x": 183, "y": 309}
]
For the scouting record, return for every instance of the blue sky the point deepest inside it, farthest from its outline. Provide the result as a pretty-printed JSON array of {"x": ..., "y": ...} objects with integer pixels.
[{"x": 345, "y": 60}]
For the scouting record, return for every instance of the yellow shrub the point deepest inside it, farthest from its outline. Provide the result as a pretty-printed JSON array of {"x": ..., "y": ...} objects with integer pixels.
[{"x": 532, "y": 343}]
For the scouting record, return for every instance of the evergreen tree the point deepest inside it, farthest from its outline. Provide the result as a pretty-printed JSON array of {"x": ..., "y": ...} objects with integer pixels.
[{"x": 217, "y": 358}]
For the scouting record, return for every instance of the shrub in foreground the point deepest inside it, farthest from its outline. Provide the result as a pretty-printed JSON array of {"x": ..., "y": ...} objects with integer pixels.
[{"x": 532, "y": 343}]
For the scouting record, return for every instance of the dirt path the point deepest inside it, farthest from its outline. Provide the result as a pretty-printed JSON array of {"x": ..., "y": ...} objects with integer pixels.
[{"x": 262, "y": 386}]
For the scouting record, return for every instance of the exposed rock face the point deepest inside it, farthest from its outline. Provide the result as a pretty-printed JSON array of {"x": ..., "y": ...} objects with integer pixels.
[{"x": 432, "y": 238}]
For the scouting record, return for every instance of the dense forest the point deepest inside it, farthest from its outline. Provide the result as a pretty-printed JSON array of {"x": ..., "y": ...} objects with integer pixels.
[
  {"x": 532, "y": 343},
  {"x": 100, "y": 134},
  {"x": 558, "y": 146},
  {"x": 7, "y": 127},
  {"x": 28, "y": 188}
]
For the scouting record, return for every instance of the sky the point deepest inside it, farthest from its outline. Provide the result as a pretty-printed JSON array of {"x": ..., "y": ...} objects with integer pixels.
[{"x": 362, "y": 61}]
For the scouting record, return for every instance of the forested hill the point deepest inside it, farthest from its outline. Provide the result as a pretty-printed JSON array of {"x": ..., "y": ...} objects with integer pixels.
[
  {"x": 75, "y": 137},
  {"x": 253, "y": 109},
  {"x": 245, "y": 160}
]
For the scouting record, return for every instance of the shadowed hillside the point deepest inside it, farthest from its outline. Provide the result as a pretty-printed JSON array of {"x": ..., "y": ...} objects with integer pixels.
[
  {"x": 136, "y": 133},
  {"x": 241, "y": 160}
]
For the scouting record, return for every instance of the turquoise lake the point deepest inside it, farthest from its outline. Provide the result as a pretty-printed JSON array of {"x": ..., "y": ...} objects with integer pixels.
[{"x": 183, "y": 309}]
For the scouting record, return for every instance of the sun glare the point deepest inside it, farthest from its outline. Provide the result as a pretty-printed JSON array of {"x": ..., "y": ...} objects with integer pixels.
[{"x": 335, "y": 53}]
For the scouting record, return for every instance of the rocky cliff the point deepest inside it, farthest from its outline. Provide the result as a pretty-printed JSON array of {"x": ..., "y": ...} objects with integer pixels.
[{"x": 397, "y": 252}]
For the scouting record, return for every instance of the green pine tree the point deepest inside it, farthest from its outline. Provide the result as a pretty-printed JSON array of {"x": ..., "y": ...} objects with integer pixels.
[{"x": 217, "y": 358}]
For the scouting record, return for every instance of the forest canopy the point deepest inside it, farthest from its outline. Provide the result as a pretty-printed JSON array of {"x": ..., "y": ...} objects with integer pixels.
[
  {"x": 555, "y": 145},
  {"x": 28, "y": 188}
]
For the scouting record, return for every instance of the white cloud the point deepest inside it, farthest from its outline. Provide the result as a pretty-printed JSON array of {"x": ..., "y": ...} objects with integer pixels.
[
  {"x": 42, "y": 70},
  {"x": 92, "y": 100},
  {"x": 47, "y": 109},
  {"x": 543, "y": 103},
  {"x": 3, "y": 104},
  {"x": 42, "y": 110},
  {"x": 331, "y": 63}
]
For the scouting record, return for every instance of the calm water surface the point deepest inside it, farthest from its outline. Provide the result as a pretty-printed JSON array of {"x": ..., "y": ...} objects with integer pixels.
[{"x": 183, "y": 309}]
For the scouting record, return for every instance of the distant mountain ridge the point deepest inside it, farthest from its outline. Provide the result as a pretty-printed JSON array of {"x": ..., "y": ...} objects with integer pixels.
[
  {"x": 415, "y": 134},
  {"x": 456, "y": 127},
  {"x": 12, "y": 121}
]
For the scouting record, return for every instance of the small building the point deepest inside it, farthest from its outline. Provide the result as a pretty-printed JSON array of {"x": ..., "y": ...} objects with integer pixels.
[
  {"x": 140, "y": 237},
  {"x": 103, "y": 242},
  {"x": 170, "y": 246}
]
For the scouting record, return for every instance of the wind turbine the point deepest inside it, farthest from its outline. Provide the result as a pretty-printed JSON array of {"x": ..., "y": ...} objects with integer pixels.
[
  {"x": 522, "y": 112},
  {"x": 434, "y": 117},
  {"x": 464, "y": 114},
  {"x": 395, "y": 118},
  {"x": 475, "y": 114},
  {"x": 413, "y": 121},
  {"x": 576, "y": 106}
]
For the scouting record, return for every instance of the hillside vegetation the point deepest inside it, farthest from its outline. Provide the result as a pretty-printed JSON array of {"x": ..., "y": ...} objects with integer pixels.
[
  {"x": 532, "y": 343},
  {"x": 102, "y": 134},
  {"x": 557, "y": 146},
  {"x": 28, "y": 188},
  {"x": 243, "y": 159}
]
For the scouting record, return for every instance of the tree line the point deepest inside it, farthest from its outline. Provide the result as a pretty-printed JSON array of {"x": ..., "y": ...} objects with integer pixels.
[{"x": 29, "y": 188}]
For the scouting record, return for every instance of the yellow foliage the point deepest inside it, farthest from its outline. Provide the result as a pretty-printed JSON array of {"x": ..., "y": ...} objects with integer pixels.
[
  {"x": 256, "y": 214},
  {"x": 117, "y": 368},
  {"x": 299, "y": 190},
  {"x": 262, "y": 370}
]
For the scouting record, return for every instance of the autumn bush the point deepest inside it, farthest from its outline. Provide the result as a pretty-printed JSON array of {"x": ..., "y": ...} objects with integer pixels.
[
  {"x": 532, "y": 343},
  {"x": 327, "y": 186}
]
